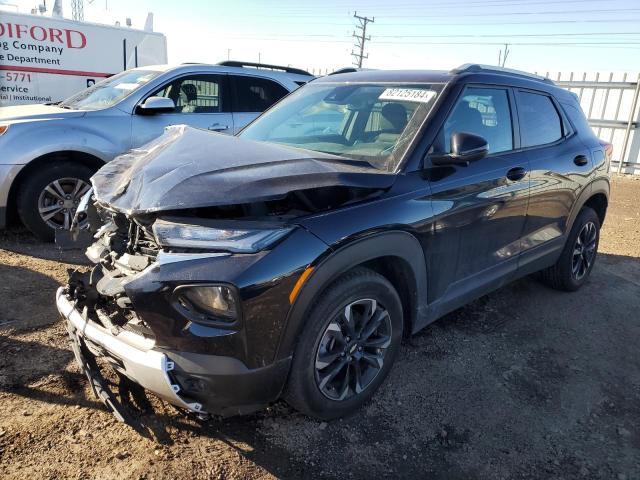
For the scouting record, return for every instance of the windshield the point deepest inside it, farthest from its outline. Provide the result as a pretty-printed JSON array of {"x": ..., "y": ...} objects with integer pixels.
[
  {"x": 371, "y": 122},
  {"x": 110, "y": 91}
]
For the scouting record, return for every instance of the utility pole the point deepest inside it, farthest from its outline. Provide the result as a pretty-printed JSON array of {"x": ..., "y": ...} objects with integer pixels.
[
  {"x": 361, "y": 38},
  {"x": 502, "y": 59}
]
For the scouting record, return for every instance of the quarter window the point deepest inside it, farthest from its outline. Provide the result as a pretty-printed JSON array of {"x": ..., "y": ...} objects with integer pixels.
[
  {"x": 254, "y": 94},
  {"x": 539, "y": 120},
  {"x": 484, "y": 112}
]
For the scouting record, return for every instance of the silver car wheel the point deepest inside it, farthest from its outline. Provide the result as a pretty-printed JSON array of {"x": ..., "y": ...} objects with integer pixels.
[{"x": 59, "y": 200}]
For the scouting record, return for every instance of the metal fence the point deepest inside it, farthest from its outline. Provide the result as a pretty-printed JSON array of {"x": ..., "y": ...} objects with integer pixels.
[{"x": 611, "y": 104}]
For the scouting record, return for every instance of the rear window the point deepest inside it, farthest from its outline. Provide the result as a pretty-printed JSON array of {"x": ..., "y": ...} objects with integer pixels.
[
  {"x": 254, "y": 94},
  {"x": 539, "y": 120}
]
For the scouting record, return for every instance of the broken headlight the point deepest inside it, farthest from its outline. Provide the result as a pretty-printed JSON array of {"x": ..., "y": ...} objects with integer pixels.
[
  {"x": 208, "y": 303},
  {"x": 237, "y": 240}
]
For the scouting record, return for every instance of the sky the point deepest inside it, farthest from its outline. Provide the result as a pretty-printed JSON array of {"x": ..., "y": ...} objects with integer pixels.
[{"x": 543, "y": 35}]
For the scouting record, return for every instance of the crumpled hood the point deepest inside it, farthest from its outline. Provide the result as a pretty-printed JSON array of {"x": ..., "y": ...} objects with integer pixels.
[
  {"x": 36, "y": 112},
  {"x": 191, "y": 168}
]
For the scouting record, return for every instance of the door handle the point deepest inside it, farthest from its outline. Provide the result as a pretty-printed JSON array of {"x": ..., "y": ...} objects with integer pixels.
[
  {"x": 216, "y": 127},
  {"x": 581, "y": 160},
  {"x": 516, "y": 174}
]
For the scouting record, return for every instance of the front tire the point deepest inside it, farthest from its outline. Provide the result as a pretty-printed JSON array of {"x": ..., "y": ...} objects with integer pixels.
[
  {"x": 48, "y": 198},
  {"x": 347, "y": 347},
  {"x": 574, "y": 266}
]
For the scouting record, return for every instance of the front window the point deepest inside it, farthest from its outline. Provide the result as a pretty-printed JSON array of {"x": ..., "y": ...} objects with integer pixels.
[
  {"x": 194, "y": 94},
  {"x": 371, "y": 122},
  {"x": 110, "y": 91},
  {"x": 480, "y": 111}
]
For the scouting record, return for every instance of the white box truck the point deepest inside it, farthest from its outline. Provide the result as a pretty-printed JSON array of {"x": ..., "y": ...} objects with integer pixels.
[{"x": 46, "y": 59}]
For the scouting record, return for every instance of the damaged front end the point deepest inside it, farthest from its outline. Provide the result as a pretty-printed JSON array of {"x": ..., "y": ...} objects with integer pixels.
[
  {"x": 195, "y": 257},
  {"x": 103, "y": 325}
]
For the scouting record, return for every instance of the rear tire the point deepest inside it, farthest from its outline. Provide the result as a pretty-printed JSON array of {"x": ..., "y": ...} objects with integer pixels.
[
  {"x": 33, "y": 198},
  {"x": 574, "y": 266},
  {"x": 337, "y": 338}
]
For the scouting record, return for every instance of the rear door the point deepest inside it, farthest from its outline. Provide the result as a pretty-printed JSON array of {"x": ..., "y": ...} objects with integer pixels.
[
  {"x": 252, "y": 96},
  {"x": 202, "y": 101},
  {"x": 560, "y": 164},
  {"x": 481, "y": 208}
]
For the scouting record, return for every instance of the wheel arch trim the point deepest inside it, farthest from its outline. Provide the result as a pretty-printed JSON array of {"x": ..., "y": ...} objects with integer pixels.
[
  {"x": 597, "y": 187},
  {"x": 400, "y": 244}
]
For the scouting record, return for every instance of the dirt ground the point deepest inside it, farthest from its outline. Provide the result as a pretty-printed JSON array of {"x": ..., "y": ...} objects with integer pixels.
[{"x": 523, "y": 383}]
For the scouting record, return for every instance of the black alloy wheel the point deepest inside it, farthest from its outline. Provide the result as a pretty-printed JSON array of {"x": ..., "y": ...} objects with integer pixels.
[
  {"x": 584, "y": 250},
  {"x": 349, "y": 338},
  {"x": 578, "y": 256},
  {"x": 352, "y": 350}
]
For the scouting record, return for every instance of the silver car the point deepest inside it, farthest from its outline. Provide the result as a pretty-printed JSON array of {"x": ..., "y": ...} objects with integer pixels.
[{"x": 49, "y": 152}]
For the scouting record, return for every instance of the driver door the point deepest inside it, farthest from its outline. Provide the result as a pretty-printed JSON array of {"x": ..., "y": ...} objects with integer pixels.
[
  {"x": 481, "y": 208},
  {"x": 202, "y": 101}
]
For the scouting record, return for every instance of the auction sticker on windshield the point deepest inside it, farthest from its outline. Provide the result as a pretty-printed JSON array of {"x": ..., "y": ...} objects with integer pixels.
[
  {"x": 408, "y": 94},
  {"x": 126, "y": 86}
]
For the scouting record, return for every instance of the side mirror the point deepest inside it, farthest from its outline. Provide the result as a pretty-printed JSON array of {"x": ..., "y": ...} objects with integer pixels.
[
  {"x": 153, "y": 105},
  {"x": 465, "y": 148}
]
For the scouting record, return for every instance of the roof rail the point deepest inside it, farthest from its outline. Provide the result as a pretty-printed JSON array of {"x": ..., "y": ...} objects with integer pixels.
[
  {"x": 476, "y": 67},
  {"x": 266, "y": 66},
  {"x": 345, "y": 70}
]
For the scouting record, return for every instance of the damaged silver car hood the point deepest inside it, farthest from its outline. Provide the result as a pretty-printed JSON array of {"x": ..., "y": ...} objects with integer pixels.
[{"x": 190, "y": 168}]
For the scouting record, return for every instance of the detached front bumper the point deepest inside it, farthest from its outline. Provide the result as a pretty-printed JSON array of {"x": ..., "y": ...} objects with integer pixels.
[
  {"x": 136, "y": 359},
  {"x": 199, "y": 383}
]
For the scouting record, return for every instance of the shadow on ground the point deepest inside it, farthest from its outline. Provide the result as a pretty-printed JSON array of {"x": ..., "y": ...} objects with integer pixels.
[
  {"x": 27, "y": 298},
  {"x": 19, "y": 240}
]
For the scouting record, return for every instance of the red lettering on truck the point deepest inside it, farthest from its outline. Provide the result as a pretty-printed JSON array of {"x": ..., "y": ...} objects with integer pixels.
[
  {"x": 79, "y": 37},
  {"x": 55, "y": 34},
  {"x": 67, "y": 37},
  {"x": 20, "y": 30},
  {"x": 38, "y": 33}
]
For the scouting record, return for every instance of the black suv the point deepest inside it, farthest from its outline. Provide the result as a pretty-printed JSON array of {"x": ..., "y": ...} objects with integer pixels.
[{"x": 290, "y": 260}]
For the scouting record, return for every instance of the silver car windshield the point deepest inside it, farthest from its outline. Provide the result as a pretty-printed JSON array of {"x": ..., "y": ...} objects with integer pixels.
[
  {"x": 371, "y": 122},
  {"x": 110, "y": 91}
]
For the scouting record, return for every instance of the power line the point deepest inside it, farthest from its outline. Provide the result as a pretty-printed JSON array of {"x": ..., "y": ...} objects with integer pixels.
[
  {"x": 445, "y": 15},
  {"x": 511, "y": 35},
  {"x": 603, "y": 44},
  {"x": 511, "y": 43},
  {"x": 473, "y": 4},
  {"x": 508, "y": 14},
  {"x": 529, "y": 22},
  {"x": 296, "y": 36},
  {"x": 361, "y": 38}
]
